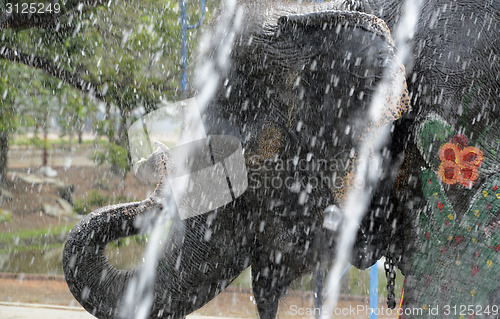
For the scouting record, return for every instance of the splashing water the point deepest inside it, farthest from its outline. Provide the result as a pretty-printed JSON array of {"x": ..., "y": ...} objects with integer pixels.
[
  {"x": 138, "y": 297},
  {"x": 368, "y": 170}
]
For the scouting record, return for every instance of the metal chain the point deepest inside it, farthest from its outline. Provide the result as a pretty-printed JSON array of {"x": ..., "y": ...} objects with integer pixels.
[{"x": 390, "y": 274}]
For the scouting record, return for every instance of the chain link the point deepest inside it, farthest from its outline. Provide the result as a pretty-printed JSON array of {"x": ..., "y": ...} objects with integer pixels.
[{"x": 390, "y": 274}]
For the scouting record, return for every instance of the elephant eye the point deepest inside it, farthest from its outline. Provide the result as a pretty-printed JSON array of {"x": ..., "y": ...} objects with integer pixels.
[{"x": 270, "y": 141}]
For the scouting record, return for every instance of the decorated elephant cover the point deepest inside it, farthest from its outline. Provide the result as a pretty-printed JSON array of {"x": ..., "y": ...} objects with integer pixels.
[{"x": 459, "y": 245}]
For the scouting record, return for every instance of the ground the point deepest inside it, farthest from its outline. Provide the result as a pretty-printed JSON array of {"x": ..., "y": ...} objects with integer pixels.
[
  {"x": 233, "y": 302},
  {"x": 26, "y": 205},
  {"x": 25, "y": 252}
]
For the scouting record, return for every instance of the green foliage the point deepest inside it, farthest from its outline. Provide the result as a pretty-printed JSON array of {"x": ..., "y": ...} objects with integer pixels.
[
  {"x": 40, "y": 142},
  {"x": 73, "y": 112},
  {"x": 94, "y": 199},
  {"x": 42, "y": 98},
  {"x": 115, "y": 155},
  {"x": 433, "y": 133},
  {"x": 32, "y": 235},
  {"x": 129, "y": 51},
  {"x": 140, "y": 239},
  {"x": 80, "y": 207},
  {"x": 104, "y": 128},
  {"x": 20, "y": 140},
  {"x": 8, "y": 92},
  {"x": 244, "y": 280},
  {"x": 5, "y": 216}
]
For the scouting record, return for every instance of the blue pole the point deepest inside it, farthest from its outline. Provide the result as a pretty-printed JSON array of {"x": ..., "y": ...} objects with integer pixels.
[
  {"x": 374, "y": 291},
  {"x": 184, "y": 28},
  {"x": 183, "y": 46},
  {"x": 341, "y": 275}
]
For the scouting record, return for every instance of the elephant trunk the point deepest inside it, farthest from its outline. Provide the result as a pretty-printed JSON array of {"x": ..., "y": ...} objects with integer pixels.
[
  {"x": 201, "y": 257},
  {"x": 97, "y": 285}
]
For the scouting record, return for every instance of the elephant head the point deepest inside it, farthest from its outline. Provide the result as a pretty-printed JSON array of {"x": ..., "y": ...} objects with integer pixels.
[{"x": 296, "y": 94}]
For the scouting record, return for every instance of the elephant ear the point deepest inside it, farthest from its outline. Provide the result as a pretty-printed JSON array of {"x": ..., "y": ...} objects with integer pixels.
[
  {"x": 348, "y": 60},
  {"x": 344, "y": 57}
]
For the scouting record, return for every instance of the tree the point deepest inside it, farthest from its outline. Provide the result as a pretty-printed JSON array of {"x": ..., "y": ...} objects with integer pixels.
[
  {"x": 8, "y": 120},
  {"x": 125, "y": 54},
  {"x": 73, "y": 113}
]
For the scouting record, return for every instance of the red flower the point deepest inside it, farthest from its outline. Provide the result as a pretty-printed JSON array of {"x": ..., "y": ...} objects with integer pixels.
[
  {"x": 428, "y": 279},
  {"x": 459, "y": 162},
  {"x": 460, "y": 140},
  {"x": 458, "y": 240},
  {"x": 475, "y": 270}
]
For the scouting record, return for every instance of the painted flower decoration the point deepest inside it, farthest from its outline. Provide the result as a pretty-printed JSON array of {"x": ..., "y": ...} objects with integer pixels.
[
  {"x": 459, "y": 162},
  {"x": 467, "y": 242}
]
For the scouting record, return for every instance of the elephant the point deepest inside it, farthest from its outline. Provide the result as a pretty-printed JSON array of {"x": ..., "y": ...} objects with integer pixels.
[{"x": 296, "y": 94}]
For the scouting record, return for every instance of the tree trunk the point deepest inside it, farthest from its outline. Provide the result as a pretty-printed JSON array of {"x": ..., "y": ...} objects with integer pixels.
[
  {"x": 44, "y": 156},
  {"x": 4, "y": 148},
  {"x": 122, "y": 132},
  {"x": 110, "y": 130},
  {"x": 80, "y": 135},
  {"x": 45, "y": 141},
  {"x": 123, "y": 136}
]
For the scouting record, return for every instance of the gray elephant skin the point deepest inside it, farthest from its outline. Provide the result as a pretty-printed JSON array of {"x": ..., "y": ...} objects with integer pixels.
[{"x": 298, "y": 89}]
